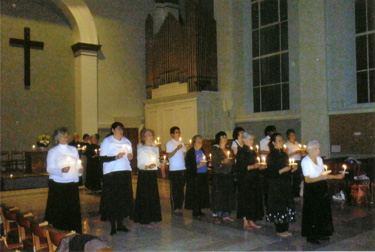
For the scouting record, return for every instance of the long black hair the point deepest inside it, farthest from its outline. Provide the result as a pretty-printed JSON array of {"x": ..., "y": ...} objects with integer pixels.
[{"x": 272, "y": 140}]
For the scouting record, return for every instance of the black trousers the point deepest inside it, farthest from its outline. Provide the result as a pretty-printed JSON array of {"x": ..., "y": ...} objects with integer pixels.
[
  {"x": 177, "y": 184},
  {"x": 282, "y": 227}
]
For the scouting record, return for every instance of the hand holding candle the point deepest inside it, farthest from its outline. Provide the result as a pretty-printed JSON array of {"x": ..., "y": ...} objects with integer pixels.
[
  {"x": 344, "y": 171},
  {"x": 33, "y": 147}
]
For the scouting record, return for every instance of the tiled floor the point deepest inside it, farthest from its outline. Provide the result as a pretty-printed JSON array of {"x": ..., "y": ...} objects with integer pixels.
[{"x": 354, "y": 227}]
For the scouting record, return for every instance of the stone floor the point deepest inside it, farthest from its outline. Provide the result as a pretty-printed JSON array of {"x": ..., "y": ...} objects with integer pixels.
[{"x": 354, "y": 226}]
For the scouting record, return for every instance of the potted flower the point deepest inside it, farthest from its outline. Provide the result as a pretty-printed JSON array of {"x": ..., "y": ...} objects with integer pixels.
[{"x": 43, "y": 141}]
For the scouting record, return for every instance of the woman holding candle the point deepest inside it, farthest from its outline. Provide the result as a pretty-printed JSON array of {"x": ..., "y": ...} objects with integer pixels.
[
  {"x": 316, "y": 212},
  {"x": 197, "y": 191},
  {"x": 147, "y": 202},
  {"x": 280, "y": 205},
  {"x": 222, "y": 179},
  {"x": 250, "y": 200},
  {"x": 295, "y": 150},
  {"x": 63, "y": 209},
  {"x": 117, "y": 195},
  {"x": 94, "y": 171}
]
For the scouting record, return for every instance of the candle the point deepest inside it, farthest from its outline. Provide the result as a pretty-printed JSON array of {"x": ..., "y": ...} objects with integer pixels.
[
  {"x": 284, "y": 146},
  {"x": 156, "y": 142},
  {"x": 300, "y": 146},
  {"x": 290, "y": 161},
  {"x": 78, "y": 146},
  {"x": 258, "y": 158},
  {"x": 33, "y": 147},
  {"x": 180, "y": 139},
  {"x": 304, "y": 146},
  {"x": 210, "y": 156},
  {"x": 165, "y": 157},
  {"x": 11, "y": 175},
  {"x": 203, "y": 158},
  {"x": 251, "y": 148},
  {"x": 325, "y": 167},
  {"x": 228, "y": 153},
  {"x": 257, "y": 146},
  {"x": 263, "y": 160},
  {"x": 79, "y": 162},
  {"x": 293, "y": 161},
  {"x": 96, "y": 151},
  {"x": 158, "y": 139},
  {"x": 344, "y": 166},
  {"x": 190, "y": 141}
]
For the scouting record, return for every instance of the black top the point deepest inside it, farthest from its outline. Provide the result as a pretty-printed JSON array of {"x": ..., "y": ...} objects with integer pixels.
[
  {"x": 217, "y": 157},
  {"x": 191, "y": 162}
]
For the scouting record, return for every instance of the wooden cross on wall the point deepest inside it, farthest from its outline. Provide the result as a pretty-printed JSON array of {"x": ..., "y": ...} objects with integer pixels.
[{"x": 27, "y": 44}]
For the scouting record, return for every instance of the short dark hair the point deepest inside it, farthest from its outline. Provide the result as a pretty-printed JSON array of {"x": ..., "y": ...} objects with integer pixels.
[
  {"x": 85, "y": 135},
  {"x": 173, "y": 129},
  {"x": 218, "y": 136},
  {"x": 115, "y": 125},
  {"x": 269, "y": 129},
  {"x": 236, "y": 132},
  {"x": 143, "y": 133},
  {"x": 273, "y": 139},
  {"x": 289, "y": 131}
]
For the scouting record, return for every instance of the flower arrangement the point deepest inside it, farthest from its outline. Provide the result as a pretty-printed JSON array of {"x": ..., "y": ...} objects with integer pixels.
[{"x": 43, "y": 140}]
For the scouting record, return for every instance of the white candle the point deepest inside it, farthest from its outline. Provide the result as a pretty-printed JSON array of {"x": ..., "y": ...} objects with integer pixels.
[
  {"x": 204, "y": 158},
  {"x": 210, "y": 156},
  {"x": 263, "y": 160},
  {"x": 228, "y": 153},
  {"x": 158, "y": 139},
  {"x": 304, "y": 146},
  {"x": 300, "y": 146},
  {"x": 344, "y": 166},
  {"x": 96, "y": 151},
  {"x": 79, "y": 162},
  {"x": 190, "y": 141},
  {"x": 293, "y": 161},
  {"x": 33, "y": 147},
  {"x": 284, "y": 146},
  {"x": 290, "y": 161},
  {"x": 251, "y": 148},
  {"x": 257, "y": 146},
  {"x": 156, "y": 142},
  {"x": 165, "y": 157},
  {"x": 180, "y": 139},
  {"x": 258, "y": 158},
  {"x": 325, "y": 167},
  {"x": 78, "y": 146}
]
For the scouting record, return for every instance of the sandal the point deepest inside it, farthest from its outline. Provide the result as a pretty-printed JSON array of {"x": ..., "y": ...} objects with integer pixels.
[
  {"x": 228, "y": 219},
  {"x": 282, "y": 235}
]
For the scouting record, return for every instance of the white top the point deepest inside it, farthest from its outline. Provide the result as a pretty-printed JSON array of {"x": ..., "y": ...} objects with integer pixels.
[
  {"x": 310, "y": 169},
  {"x": 263, "y": 145},
  {"x": 292, "y": 148},
  {"x": 61, "y": 156},
  {"x": 235, "y": 144},
  {"x": 177, "y": 162},
  {"x": 147, "y": 155},
  {"x": 111, "y": 147}
]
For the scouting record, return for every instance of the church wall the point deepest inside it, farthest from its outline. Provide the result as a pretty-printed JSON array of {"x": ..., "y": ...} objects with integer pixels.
[
  {"x": 49, "y": 103},
  {"x": 121, "y": 62}
]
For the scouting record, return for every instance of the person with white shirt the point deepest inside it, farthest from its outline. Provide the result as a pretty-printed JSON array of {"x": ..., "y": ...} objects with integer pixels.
[
  {"x": 294, "y": 151},
  {"x": 63, "y": 208},
  {"x": 264, "y": 150},
  {"x": 176, "y": 155},
  {"x": 117, "y": 194},
  {"x": 147, "y": 202},
  {"x": 316, "y": 212}
]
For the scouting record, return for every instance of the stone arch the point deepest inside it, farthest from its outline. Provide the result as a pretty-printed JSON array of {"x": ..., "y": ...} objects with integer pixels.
[{"x": 85, "y": 50}]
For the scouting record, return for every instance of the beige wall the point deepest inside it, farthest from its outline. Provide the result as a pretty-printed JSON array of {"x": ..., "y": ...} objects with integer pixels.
[{"x": 50, "y": 102}]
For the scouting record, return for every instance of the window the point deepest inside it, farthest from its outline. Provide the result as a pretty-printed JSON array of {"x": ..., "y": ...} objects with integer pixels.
[
  {"x": 365, "y": 50},
  {"x": 270, "y": 55}
]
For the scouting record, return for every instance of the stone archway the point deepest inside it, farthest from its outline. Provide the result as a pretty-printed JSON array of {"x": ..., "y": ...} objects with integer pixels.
[{"x": 85, "y": 50}]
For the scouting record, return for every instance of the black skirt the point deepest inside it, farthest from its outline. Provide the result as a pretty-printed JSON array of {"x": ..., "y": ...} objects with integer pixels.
[
  {"x": 250, "y": 199},
  {"x": 63, "y": 209},
  {"x": 117, "y": 196},
  {"x": 147, "y": 202},
  {"x": 197, "y": 192},
  {"x": 316, "y": 211},
  {"x": 222, "y": 192}
]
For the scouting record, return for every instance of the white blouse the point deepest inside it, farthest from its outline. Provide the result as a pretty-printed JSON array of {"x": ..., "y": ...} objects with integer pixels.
[
  {"x": 147, "y": 155},
  {"x": 111, "y": 147},
  {"x": 264, "y": 145},
  {"x": 292, "y": 147},
  {"x": 62, "y": 156},
  {"x": 310, "y": 169},
  {"x": 177, "y": 162}
]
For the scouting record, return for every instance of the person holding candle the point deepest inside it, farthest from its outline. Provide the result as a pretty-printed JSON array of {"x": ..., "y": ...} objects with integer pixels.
[
  {"x": 250, "y": 201},
  {"x": 222, "y": 192},
  {"x": 94, "y": 171},
  {"x": 280, "y": 205},
  {"x": 147, "y": 202},
  {"x": 63, "y": 208},
  {"x": 176, "y": 149},
  {"x": 197, "y": 191},
  {"x": 316, "y": 212},
  {"x": 117, "y": 194},
  {"x": 264, "y": 151},
  {"x": 295, "y": 151}
]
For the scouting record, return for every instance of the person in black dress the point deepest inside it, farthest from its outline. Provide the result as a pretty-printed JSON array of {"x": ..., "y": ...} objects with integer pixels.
[
  {"x": 280, "y": 205},
  {"x": 94, "y": 171},
  {"x": 222, "y": 192},
  {"x": 197, "y": 192},
  {"x": 147, "y": 202},
  {"x": 316, "y": 212},
  {"x": 250, "y": 200}
]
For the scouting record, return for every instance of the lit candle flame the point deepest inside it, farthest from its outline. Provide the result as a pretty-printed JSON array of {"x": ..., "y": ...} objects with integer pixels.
[
  {"x": 325, "y": 167},
  {"x": 290, "y": 161},
  {"x": 251, "y": 148},
  {"x": 210, "y": 156},
  {"x": 263, "y": 159},
  {"x": 33, "y": 147},
  {"x": 190, "y": 141},
  {"x": 180, "y": 139},
  {"x": 165, "y": 157},
  {"x": 204, "y": 158},
  {"x": 228, "y": 153},
  {"x": 304, "y": 146},
  {"x": 158, "y": 139},
  {"x": 300, "y": 146},
  {"x": 257, "y": 146},
  {"x": 344, "y": 166},
  {"x": 284, "y": 146},
  {"x": 79, "y": 162},
  {"x": 258, "y": 158}
]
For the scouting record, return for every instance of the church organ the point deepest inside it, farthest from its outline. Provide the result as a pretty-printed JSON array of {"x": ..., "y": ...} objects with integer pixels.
[{"x": 181, "y": 46}]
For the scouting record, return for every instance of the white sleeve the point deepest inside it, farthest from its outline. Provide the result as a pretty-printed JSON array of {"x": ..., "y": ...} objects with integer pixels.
[
  {"x": 52, "y": 167},
  {"x": 306, "y": 167},
  {"x": 169, "y": 147},
  {"x": 104, "y": 147}
]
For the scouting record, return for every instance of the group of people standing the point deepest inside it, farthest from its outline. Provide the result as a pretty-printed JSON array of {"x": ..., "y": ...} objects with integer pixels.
[{"x": 259, "y": 189}]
